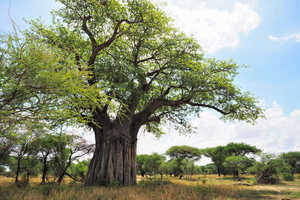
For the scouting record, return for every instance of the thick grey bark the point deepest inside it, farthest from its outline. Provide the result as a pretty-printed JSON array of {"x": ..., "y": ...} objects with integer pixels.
[{"x": 114, "y": 159}]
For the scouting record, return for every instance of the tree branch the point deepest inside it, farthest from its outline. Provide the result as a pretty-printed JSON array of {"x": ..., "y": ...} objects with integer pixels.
[{"x": 143, "y": 116}]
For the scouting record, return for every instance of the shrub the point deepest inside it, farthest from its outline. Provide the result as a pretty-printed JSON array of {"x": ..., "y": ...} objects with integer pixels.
[{"x": 287, "y": 176}]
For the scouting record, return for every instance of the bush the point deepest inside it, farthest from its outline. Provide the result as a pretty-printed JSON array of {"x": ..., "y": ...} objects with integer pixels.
[{"x": 287, "y": 176}]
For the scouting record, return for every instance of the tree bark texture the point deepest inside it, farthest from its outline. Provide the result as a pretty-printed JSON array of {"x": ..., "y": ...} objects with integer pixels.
[{"x": 114, "y": 160}]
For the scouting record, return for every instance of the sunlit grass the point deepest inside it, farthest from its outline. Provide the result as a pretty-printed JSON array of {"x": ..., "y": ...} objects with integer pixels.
[{"x": 214, "y": 188}]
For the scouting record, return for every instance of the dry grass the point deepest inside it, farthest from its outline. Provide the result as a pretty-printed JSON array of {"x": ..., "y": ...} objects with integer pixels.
[{"x": 214, "y": 188}]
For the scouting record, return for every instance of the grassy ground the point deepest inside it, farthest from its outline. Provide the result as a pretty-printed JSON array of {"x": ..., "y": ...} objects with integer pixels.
[{"x": 201, "y": 187}]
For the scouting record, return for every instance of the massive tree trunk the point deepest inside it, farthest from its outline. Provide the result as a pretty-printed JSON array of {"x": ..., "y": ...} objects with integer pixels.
[{"x": 114, "y": 160}]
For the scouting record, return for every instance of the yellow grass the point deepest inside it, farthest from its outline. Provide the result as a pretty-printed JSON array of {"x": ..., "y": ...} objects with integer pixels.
[{"x": 213, "y": 188}]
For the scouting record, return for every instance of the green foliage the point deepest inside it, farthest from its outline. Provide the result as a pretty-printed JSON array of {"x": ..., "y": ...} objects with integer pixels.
[
  {"x": 67, "y": 149},
  {"x": 293, "y": 160},
  {"x": 236, "y": 164},
  {"x": 38, "y": 83},
  {"x": 234, "y": 153},
  {"x": 2, "y": 170},
  {"x": 182, "y": 160},
  {"x": 150, "y": 164},
  {"x": 140, "y": 164},
  {"x": 268, "y": 169},
  {"x": 79, "y": 169},
  {"x": 241, "y": 149},
  {"x": 184, "y": 152},
  {"x": 174, "y": 167},
  {"x": 133, "y": 55},
  {"x": 6, "y": 146},
  {"x": 287, "y": 176},
  {"x": 209, "y": 169},
  {"x": 217, "y": 155}
]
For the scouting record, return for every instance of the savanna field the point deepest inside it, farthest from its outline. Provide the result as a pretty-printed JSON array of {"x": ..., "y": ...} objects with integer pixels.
[{"x": 206, "y": 187}]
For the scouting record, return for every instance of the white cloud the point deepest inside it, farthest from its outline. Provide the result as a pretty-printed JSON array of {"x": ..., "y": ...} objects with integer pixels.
[
  {"x": 279, "y": 132},
  {"x": 294, "y": 36},
  {"x": 216, "y": 24}
]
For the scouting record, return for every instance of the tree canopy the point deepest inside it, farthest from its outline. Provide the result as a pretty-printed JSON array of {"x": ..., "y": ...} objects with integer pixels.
[
  {"x": 148, "y": 68},
  {"x": 184, "y": 152},
  {"x": 234, "y": 153},
  {"x": 292, "y": 159}
]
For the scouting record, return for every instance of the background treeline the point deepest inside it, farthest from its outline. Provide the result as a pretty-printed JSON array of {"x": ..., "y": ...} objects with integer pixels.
[
  {"x": 38, "y": 153},
  {"x": 233, "y": 159},
  {"x": 53, "y": 156}
]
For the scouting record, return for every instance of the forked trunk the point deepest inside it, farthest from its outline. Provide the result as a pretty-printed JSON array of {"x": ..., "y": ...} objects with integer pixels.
[{"x": 114, "y": 160}]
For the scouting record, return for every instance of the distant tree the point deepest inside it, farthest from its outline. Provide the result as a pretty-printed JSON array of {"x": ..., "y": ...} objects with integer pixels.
[
  {"x": 209, "y": 168},
  {"x": 45, "y": 145},
  {"x": 68, "y": 148},
  {"x": 238, "y": 156},
  {"x": 268, "y": 169},
  {"x": 183, "y": 156},
  {"x": 173, "y": 167},
  {"x": 24, "y": 160},
  {"x": 236, "y": 164},
  {"x": 22, "y": 148},
  {"x": 241, "y": 149},
  {"x": 292, "y": 159},
  {"x": 140, "y": 164},
  {"x": 6, "y": 145},
  {"x": 188, "y": 168},
  {"x": 31, "y": 166},
  {"x": 217, "y": 155},
  {"x": 153, "y": 163},
  {"x": 2, "y": 170},
  {"x": 79, "y": 169},
  {"x": 184, "y": 152}
]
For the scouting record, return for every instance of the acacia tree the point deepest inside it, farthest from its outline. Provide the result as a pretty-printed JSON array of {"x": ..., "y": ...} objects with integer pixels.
[
  {"x": 67, "y": 149},
  {"x": 237, "y": 163},
  {"x": 235, "y": 150},
  {"x": 217, "y": 155},
  {"x": 292, "y": 159},
  {"x": 45, "y": 145},
  {"x": 241, "y": 149},
  {"x": 6, "y": 146},
  {"x": 140, "y": 164},
  {"x": 184, "y": 152},
  {"x": 150, "y": 72},
  {"x": 183, "y": 158}
]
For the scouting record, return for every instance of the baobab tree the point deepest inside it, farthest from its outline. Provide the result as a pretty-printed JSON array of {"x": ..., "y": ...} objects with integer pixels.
[{"x": 147, "y": 73}]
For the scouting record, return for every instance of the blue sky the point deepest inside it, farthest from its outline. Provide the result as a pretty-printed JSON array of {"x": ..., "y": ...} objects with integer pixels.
[
  {"x": 262, "y": 34},
  {"x": 274, "y": 73}
]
